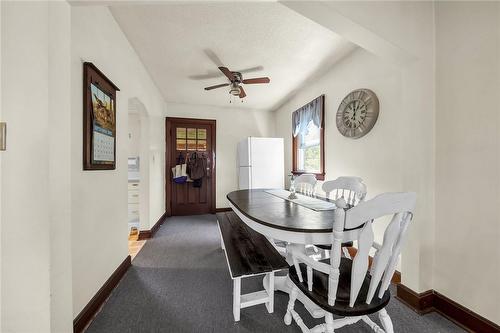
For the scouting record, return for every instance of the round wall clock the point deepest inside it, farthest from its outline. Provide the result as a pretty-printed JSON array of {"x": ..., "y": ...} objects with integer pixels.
[{"x": 357, "y": 113}]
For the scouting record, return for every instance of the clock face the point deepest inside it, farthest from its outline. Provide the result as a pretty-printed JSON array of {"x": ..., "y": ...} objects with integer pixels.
[{"x": 357, "y": 113}]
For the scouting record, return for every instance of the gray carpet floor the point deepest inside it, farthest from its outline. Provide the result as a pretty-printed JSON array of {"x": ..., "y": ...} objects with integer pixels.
[{"x": 179, "y": 282}]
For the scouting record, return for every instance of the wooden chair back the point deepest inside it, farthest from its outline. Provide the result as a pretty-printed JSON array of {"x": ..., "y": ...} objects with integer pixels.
[
  {"x": 306, "y": 184},
  {"x": 352, "y": 189}
]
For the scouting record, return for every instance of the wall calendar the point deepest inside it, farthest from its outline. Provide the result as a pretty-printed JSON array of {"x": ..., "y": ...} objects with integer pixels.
[{"x": 99, "y": 115}]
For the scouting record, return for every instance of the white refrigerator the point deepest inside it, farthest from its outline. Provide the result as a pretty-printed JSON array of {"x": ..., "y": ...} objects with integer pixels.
[{"x": 261, "y": 163}]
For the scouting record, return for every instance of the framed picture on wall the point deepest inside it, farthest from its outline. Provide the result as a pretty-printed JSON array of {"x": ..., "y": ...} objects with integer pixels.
[{"x": 99, "y": 120}]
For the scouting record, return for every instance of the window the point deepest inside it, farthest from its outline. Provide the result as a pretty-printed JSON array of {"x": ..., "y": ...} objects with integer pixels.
[
  {"x": 191, "y": 139},
  {"x": 308, "y": 137}
]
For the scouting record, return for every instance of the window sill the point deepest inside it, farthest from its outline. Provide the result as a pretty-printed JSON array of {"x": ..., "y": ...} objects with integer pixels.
[{"x": 319, "y": 175}]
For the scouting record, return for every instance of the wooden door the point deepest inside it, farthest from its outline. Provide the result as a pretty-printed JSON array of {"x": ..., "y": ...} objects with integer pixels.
[{"x": 185, "y": 136}]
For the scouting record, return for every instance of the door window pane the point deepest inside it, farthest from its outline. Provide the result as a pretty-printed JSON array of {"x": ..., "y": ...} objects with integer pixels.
[
  {"x": 181, "y": 144},
  {"x": 202, "y": 134},
  {"x": 191, "y": 133},
  {"x": 181, "y": 133},
  {"x": 191, "y": 144},
  {"x": 202, "y": 145}
]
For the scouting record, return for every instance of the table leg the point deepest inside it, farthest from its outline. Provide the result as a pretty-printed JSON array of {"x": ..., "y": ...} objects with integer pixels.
[{"x": 284, "y": 284}]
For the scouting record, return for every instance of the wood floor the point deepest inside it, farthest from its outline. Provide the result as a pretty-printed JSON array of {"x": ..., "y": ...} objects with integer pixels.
[{"x": 134, "y": 245}]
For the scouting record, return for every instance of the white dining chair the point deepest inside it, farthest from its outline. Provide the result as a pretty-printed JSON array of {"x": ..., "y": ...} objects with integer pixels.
[
  {"x": 306, "y": 184},
  {"x": 343, "y": 286},
  {"x": 353, "y": 190}
]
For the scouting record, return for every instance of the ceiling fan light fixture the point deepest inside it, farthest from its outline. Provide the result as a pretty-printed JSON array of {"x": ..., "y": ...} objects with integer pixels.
[{"x": 235, "y": 90}]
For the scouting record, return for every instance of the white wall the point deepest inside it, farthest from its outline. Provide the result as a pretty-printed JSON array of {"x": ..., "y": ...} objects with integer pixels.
[
  {"x": 134, "y": 135},
  {"x": 144, "y": 217},
  {"x": 467, "y": 267},
  {"x": 400, "y": 34},
  {"x": 99, "y": 198},
  {"x": 1, "y": 119},
  {"x": 156, "y": 168},
  {"x": 377, "y": 156},
  {"x": 64, "y": 214},
  {"x": 233, "y": 125},
  {"x": 36, "y": 250},
  {"x": 148, "y": 142},
  {"x": 448, "y": 138},
  {"x": 25, "y": 250},
  {"x": 59, "y": 16}
]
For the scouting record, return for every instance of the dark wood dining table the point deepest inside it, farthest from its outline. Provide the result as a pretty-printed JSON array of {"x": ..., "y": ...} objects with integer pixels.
[{"x": 284, "y": 220}]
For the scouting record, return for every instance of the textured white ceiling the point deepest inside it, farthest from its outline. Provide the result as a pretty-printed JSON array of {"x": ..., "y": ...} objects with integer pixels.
[{"x": 179, "y": 43}]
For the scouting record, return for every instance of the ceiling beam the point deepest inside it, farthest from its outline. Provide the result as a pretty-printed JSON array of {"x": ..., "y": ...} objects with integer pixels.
[
  {"x": 328, "y": 17},
  {"x": 152, "y": 2}
]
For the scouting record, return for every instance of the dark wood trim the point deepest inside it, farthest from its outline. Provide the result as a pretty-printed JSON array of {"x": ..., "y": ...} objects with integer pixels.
[
  {"x": 98, "y": 71},
  {"x": 158, "y": 223},
  {"x": 146, "y": 234},
  {"x": 168, "y": 173},
  {"x": 396, "y": 277},
  {"x": 89, "y": 311},
  {"x": 420, "y": 302},
  {"x": 432, "y": 300},
  {"x": 222, "y": 210},
  {"x": 463, "y": 316},
  {"x": 320, "y": 175},
  {"x": 168, "y": 179}
]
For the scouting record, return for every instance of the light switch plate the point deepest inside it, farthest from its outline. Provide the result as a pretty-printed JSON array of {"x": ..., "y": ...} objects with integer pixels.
[{"x": 3, "y": 136}]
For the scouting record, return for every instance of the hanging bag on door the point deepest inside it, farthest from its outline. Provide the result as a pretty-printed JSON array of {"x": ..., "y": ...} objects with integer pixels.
[
  {"x": 179, "y": 174},
  {"x": 197, "y": 166}
]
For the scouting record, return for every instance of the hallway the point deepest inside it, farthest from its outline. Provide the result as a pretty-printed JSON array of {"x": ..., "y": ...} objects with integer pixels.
[{"x": 179, "y": 282}]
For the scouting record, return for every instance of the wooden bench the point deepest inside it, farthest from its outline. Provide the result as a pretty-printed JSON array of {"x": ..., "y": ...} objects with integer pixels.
[{"x": 248, "y": 253}]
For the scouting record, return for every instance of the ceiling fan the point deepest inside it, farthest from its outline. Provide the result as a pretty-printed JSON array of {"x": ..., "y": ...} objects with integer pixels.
[{"x": 235, "y": 81}]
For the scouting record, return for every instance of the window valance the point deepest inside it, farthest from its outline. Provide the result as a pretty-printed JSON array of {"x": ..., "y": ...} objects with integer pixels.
[{"x": 303, "y": 116}]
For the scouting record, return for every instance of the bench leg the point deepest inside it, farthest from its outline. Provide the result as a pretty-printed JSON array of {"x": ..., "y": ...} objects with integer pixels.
[
  {"x": 221, "y": 239},
  {"x": 236, "y": 298},
  {"x": 270, "y": 292}
]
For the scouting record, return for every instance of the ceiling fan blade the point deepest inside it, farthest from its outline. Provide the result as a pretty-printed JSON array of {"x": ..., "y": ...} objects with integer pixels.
[
  {"x": 217, "y": 86},
  {"x": 212, "y": 56},
  {"x": 227, "y": 73},
  {"x": 242, "y": 92},
  {"x": 257, "y": 80},
  {"x": 209, "y": 75},
  {"x": 251, "y": 69}
]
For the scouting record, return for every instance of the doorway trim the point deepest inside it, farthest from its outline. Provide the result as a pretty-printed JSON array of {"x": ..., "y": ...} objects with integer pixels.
[{"x": 168, "y": 160}]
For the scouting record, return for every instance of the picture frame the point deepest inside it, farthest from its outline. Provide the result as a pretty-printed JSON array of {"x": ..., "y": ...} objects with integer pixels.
[{"x": 99, "y": 120}]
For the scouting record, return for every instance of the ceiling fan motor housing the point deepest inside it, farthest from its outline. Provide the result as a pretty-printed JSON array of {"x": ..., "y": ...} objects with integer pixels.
[{"x": 238, "y": 78}]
